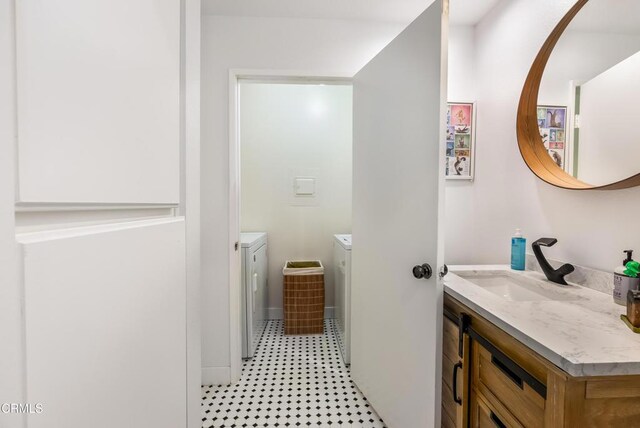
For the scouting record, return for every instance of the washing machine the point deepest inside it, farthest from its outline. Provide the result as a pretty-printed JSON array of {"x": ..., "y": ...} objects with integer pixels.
[
  {"x": 342, "y": 281},
  {"x": 254, "y": 290}
]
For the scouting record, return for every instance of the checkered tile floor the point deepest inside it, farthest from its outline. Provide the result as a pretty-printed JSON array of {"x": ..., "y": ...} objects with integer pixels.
[{"x": 293, "y": 381}]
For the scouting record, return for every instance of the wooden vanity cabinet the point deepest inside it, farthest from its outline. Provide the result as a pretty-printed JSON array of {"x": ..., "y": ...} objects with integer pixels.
[{"x": 510, "y": 385}]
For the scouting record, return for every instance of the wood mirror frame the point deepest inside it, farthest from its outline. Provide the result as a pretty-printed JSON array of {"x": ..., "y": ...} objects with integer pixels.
[{"x": 530, "y": 142}]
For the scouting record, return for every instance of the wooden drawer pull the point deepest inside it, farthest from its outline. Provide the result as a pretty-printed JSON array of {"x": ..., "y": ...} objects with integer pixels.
[
  {"x": 507, "y": 371},
  {"x": 496, "y": 420}
]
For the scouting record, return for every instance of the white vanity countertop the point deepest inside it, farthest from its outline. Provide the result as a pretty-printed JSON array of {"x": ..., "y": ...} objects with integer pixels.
[{"x": 584, "y": 337}]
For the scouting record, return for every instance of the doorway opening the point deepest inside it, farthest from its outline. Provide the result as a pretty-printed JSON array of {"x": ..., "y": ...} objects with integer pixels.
[
  {"x": 290, "y": 193},
  {"x": 293, "y": 166},
  {"x": 295, "y": 192}
]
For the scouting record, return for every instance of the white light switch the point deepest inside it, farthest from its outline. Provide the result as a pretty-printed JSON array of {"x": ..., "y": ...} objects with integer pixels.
[{"x": 304, "y": 186}]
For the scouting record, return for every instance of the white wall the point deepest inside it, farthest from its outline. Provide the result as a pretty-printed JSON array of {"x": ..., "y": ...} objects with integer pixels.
[
  {"x": 312, "y": 46},
  {"x": 289, "y": 130},
  {"x": 592, "y": 227},
  {"x": 608, "y": 109},
  {"x": 462, "y": 67},
  {"x": 461, "y": 88}
]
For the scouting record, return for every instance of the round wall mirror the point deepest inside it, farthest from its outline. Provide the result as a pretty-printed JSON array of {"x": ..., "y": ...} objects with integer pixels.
[{"x": 579, "y": 114}]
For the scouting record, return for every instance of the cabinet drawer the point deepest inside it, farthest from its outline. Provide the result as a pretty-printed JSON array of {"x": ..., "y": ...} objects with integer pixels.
[
  {"x": 484, "y": 415},
  {"x": 496, "y": 380}
]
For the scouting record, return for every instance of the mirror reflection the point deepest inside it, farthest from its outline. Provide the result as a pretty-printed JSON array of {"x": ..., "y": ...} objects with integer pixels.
[{"x": 589, "y": 98}]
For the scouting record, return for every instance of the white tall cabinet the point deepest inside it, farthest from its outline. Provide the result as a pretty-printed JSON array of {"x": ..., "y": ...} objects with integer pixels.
[
  {"x": 99, "y": 184},
  {"x": 98, "y": 101}
]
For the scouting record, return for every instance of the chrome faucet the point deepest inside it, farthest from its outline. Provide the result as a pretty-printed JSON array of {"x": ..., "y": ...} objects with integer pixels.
[{"x": 553, "y": 275}]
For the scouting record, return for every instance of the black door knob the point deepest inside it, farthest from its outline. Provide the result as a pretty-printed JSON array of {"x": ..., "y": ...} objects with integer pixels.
[
  {"x": 422, "y": 271},
  {"x": 444, "y": 270}
]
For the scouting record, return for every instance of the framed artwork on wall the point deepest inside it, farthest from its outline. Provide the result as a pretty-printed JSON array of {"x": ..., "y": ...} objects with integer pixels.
[
  {"x": 552, "y": 122},
  {"x": 460, "y": 140}
]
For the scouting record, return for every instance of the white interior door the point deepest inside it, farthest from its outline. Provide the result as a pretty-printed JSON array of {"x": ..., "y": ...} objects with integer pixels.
[{"x": 398, "y": 112}]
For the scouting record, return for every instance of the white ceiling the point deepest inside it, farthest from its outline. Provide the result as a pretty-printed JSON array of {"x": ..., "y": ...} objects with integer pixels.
[{"x": 462, "y": 12}]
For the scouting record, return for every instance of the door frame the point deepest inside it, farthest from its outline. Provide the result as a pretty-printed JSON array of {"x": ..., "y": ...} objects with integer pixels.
[{"x": 262, "y": 76}]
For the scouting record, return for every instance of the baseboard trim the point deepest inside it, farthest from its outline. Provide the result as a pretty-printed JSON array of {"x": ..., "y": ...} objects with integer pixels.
[
  {"x": 329, "y": 312},
  {"x": 275, "y": 313},
  {"x": 216, "y": 376},
  {"x": 278, "y": 313}
]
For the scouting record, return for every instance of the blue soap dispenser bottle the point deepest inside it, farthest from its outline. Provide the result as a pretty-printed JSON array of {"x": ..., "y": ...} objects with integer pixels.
[{"x": 518, "y": 246}]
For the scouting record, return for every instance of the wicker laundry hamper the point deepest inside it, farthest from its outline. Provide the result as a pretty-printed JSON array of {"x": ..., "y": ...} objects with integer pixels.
[{"x": 303, "y": 297}]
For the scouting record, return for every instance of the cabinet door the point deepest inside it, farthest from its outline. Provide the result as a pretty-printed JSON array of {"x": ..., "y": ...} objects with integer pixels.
[
  {"x": 455, "y": 376},
  {"x": 98, "y": 87},
  {"x": 104, "y": 313}
]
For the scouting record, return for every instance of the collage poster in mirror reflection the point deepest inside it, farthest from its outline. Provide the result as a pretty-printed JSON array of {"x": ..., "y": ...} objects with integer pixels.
[
  {"x": 460, "y": 136},
  {"x": 552, "y": 121}
]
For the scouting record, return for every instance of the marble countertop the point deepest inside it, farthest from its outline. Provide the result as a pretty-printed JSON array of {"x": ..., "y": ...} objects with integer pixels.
[{"x": 583, "y": 335}]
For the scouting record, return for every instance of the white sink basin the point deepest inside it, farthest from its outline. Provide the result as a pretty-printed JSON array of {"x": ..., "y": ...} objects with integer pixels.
[{"x": 518, "y": 287}]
